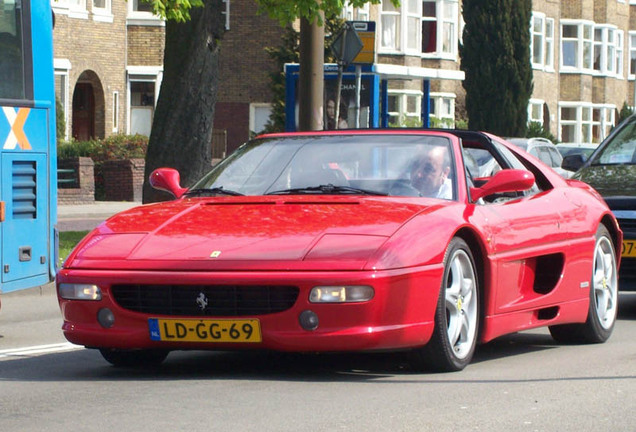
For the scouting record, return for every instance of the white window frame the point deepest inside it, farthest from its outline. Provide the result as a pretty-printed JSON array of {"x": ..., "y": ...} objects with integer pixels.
[
  {"x": 447, "y": 34},
  {"x": 350, "y": 13},
  {"x": 73, "y": 9},
  {"x": 607, "y": 49},
  {"x": 584, "y": 43},
  {"x": 402, "y": 97},
  {"x": 102, "y": 14},
  {"x": 226, "y": 12},
  {"x": 62, "y": 69},
  {"x": 632, "y": 55},
  {"x": 142, "y": 18},
  {"x": 390, "y": 38},
  {"x": 438, "y": 100},
  {"x": 253, "y": 108},
  {"x": 532, "y": 104},
  {"x": 115, "y": 112},
  {"x": 586, "y": 121},
  {"x": 141, "y": 74},
  {"x": 542, "y": 39}
]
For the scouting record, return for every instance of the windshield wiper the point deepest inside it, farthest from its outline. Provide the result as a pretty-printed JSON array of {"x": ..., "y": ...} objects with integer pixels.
[
  {"x": 212, "y": 191},
  {"x": 327, "y": 189}
]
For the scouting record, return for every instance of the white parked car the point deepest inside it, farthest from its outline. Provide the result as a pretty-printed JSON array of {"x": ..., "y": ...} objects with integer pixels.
[{"x": 543, "y": 149}]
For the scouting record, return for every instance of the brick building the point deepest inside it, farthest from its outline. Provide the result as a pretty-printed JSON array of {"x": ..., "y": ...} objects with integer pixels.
[
  {"x": 583, "y": 55},
  {"x": 108, "y": 65}
]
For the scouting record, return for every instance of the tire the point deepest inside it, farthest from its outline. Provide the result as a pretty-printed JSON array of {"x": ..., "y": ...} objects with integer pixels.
[
  {"x": 603, "y": 308},
  {"x": 133, "y": 358},
  {"x": 457, "y": 314}
]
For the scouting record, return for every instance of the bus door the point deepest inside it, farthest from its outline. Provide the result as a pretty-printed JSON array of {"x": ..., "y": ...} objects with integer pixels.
[{"x": 24, "y": 196}]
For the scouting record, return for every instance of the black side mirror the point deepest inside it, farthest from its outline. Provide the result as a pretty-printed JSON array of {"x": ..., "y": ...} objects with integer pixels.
[{"x": 573, "y": 162}]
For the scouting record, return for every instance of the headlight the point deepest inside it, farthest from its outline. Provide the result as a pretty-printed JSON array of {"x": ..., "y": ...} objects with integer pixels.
[
  {"x": 80, "y": 292},
  {"x": 341, "y": 294}
]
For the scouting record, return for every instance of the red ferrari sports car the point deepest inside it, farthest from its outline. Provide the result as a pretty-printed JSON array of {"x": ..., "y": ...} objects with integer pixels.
[{"x": 349, "y": 241}]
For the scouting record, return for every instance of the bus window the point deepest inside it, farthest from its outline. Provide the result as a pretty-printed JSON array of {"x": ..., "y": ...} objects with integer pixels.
[{"x": 11, "y": 53}]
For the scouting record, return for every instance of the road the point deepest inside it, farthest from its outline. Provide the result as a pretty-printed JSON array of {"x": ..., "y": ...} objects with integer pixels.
[{"x": 521, "y": 382}]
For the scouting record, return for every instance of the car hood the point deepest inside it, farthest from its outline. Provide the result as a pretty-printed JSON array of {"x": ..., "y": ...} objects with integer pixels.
[
  {"x": 609, "y": 180},
  {"x": 308, "y": 232}
]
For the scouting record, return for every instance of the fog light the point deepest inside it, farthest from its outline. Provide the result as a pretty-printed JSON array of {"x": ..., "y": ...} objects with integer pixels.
[
  {"x": 106, "y": 318},
  {"x": 79, "y": 291},
  {"x": 308, "y": 320},
  {"x": 341, "y": 294}
]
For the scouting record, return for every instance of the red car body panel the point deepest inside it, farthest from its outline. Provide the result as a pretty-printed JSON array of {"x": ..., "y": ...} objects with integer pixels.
[{"x": 394, "y": 244}]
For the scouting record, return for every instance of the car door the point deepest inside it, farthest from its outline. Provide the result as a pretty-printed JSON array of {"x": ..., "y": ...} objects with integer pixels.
[{"x": 529, "y": 241}]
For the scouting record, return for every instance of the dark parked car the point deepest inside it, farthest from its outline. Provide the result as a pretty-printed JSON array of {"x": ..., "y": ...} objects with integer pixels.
[{"x": 611, "y": 170}]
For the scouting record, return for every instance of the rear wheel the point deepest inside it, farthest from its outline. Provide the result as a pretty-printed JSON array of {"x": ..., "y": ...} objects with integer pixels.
[
  {"x": 454, "y": 338},
  {"x": 603, "y": 297},
  {"x": 133, "y": 358}
]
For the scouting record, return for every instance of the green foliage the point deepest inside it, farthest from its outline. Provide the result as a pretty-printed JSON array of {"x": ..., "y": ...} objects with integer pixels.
[
  {"x": 536, "y": 130},
  {"x": 68, "y": 240},
  {"x": 174, "y": 10},
  {"x": 495, "y": 57},
  {"x": 115, "y": 147},
  {"x": 406, "y": 122},
  {"x": 625, "y": 112},
  {"x": 60, "y": 121}
]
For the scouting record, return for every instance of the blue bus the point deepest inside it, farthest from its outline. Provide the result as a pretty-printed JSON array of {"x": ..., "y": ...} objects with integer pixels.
[{"x": 28, "y": 162}]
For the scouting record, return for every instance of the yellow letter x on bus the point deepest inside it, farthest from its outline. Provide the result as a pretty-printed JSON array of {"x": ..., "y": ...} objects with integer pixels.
[{"x": 16, "y": 137}]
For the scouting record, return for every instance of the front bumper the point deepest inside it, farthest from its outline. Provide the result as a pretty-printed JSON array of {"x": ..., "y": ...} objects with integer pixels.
[{"x": 400, "y": 315}]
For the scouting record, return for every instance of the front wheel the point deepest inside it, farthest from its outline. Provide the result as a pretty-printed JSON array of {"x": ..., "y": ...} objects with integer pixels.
[
  {"x": 603, "y": 297},
  {"x": 454, "y": 338},
  {"x": 134, "y": 358}
]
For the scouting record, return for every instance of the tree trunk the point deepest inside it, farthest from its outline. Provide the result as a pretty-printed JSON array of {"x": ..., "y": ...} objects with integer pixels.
[
  {"x": 311, "y": 75},
  {"x": 181, "y": 135}
]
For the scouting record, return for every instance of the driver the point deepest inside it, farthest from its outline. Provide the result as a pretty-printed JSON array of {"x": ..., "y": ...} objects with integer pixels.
[{"x": 429, "y": 173}]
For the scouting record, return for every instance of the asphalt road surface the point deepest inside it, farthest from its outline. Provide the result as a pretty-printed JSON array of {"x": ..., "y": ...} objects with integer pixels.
[{"x": 521, "y": 382}]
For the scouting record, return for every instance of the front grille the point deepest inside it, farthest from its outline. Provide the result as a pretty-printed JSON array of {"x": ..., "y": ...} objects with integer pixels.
[{"x": 205, "y": 300}]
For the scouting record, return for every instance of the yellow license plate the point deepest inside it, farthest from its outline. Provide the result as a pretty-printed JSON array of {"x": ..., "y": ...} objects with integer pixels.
[
  {"x": 205, "y": 330},
  {"x": 629, "y": 248}
]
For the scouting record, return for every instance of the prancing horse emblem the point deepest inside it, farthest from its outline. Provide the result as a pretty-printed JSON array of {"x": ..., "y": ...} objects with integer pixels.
[{"x": 202, "y": 301}]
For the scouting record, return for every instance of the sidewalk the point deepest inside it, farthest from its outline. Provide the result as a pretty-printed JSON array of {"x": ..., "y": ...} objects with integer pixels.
[{"x": 84, "y": 217}]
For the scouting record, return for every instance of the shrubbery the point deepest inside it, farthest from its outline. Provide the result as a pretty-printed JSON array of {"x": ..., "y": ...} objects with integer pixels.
[{"x": 115, "y": 147}]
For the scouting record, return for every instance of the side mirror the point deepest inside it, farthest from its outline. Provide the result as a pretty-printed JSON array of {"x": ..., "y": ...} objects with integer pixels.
[
  {"x": 167, "y": 180},
  {"x": 505, "y": 180},
  {"x": 573, "y": 162}
]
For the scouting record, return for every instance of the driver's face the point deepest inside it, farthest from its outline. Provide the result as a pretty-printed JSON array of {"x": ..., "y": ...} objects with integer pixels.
[{"x": 428, "y": 175}]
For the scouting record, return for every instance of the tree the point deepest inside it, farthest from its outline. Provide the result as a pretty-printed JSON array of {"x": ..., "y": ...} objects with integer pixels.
[
  {"x": 181, "y": 134},
  {"x": 495, "y": 57}
]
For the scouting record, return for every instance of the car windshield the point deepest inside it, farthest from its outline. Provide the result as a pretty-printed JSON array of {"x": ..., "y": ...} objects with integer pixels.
[
  {"x": 620, "y": 149},
  {"x": 336, "y": 164}
]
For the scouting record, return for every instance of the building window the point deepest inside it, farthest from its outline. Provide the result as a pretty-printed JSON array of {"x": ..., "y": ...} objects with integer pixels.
[
  {"x": 143, "y": 88},
  {"x": 581, "y": 122},
  {"x": 405, "y": 108},
  {"x": 226, "y": 12},
  {"x": 632, "y": 54},
  {"x": 429, "y": 27},
  {"x": 140, "y": 13},
  {"x": 350, "y": 13},
  {"x": 390, "y": 19},
  {"x": 608, "y": 48},
  {"x": 102, "y": 11},
  {"x": 62, "y": 68},
  {"x": 442, "y": 110},
  {"x": 576, "y": 46},
  {"x": 259, "y": 116},
  {"x": 115, "y": 112},
  {"x": 535, "y": 111},
  {"x": 542, "y": 42},
  {"x": 72, "y": 8}
]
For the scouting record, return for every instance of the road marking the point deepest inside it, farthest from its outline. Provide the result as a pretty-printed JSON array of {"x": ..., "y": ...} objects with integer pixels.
[{"x": 37, "y": 350}]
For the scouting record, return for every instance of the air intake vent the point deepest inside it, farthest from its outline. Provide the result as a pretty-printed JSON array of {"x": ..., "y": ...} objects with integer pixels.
[{"x": 24, "y": 190}]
